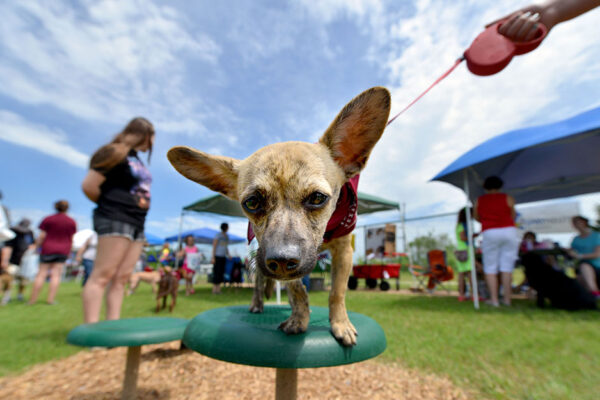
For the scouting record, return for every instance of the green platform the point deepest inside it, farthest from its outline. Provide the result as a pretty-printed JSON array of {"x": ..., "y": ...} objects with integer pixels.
[
  {"x": 235, "y": 335},
  {"x": 128, "y": 332}
]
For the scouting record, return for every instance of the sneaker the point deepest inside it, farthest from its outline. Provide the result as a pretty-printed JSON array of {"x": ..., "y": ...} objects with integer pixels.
[{"x": 462, "y": 298}]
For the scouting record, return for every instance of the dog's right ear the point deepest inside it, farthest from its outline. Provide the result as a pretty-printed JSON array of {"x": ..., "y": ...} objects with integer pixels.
[
  {"x": 217, "y": 173},
  {"x": 357, "y": 128}
]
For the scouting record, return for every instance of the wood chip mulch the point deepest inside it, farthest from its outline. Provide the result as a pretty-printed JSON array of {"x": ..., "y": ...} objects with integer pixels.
[{"x": 169, "y": 373}]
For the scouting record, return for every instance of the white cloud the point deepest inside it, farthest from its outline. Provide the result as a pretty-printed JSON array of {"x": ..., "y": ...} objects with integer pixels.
[
  {"x": 15, "y": 129},
  {"x": 108, "y": 61}
]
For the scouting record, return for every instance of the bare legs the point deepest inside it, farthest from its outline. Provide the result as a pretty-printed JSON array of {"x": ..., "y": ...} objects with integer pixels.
[
  {"x": 587, "y": 277},
  {"x": 492, "y": 283},
  {"x": 115, "y": 259},
  {"x": 55, "y": 270},
  {"x": 461, "y": 283}
]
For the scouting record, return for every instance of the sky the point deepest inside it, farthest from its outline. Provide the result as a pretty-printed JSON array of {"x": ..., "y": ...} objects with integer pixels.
[{"x": 230, "y": 77}]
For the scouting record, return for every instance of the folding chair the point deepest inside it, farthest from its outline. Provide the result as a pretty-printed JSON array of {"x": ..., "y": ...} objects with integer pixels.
[
  {"x": 420, "y": 276},
  {"x": 439, "y": 270}
]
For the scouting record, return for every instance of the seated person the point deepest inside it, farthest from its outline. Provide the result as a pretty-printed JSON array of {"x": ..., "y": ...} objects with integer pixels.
[
  {"x": 585, "y": 248},
  {"x": 529, "y": 242}
]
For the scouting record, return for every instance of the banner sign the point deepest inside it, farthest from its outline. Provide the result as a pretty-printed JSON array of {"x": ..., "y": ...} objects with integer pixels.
[{"x": 548, "y": 218}]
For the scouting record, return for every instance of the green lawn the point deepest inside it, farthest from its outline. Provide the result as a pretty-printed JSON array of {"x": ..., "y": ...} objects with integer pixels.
[{"x": 517, "y": 353}]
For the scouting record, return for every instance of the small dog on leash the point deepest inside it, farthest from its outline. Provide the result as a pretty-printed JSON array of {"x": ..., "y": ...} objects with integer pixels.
[
  {"x": 300, "y": 199},
  {"x": 151, "y": 277},
  {"x": 168, "y": 285}
]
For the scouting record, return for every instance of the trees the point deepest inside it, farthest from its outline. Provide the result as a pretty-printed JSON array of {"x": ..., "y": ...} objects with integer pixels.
[{"x": 423, "y": 244}]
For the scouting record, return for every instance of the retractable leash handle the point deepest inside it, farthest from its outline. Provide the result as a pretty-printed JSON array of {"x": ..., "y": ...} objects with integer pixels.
[{"x": 491, "y": 51}]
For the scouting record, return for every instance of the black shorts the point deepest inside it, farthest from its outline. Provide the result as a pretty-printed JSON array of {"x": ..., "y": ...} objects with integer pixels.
[
  {"x": 108, "y": 227},
  {"x": 52, "y": 258},
  {"x": 219, "y": 269}
]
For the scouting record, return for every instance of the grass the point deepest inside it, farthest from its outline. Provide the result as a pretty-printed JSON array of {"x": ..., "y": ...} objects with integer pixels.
[{"x": 516, "y": 353}]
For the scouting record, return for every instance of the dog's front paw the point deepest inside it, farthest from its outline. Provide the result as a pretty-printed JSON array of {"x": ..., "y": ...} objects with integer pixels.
[
  {"x": 344, "y": 331},
  {"x": 294, "y": 324},
  {"x": 256, "y": 307}
]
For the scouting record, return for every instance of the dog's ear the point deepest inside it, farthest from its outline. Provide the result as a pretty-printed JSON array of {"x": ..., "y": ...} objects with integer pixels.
[
  {"x": 217, "y": 173},
  {"x": 354, "y": 132}
]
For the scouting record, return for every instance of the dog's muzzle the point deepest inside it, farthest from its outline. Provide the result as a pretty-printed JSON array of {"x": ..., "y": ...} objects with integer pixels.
[{"x": 285, "y": 262}]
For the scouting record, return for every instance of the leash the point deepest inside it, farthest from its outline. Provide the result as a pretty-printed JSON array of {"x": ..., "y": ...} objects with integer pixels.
[
  {"x": 489, "y": 53},
  {"x": 438, "y": 80}
]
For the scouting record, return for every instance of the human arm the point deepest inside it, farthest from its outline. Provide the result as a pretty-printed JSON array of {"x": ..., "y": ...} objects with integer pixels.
[
  {"x": 511, "y": 204},
  {"x": 6, "y": 252},
  {"x": 82, "y": 249},
  {"x": 585, "y": 256},
  {"x": 91, "y": 184},
  {"x": 475, "y": 211},
  {"x": 521, "y": 25},
  {"x": 40, "y": 239},
  {"x": 214, "y": 249}
]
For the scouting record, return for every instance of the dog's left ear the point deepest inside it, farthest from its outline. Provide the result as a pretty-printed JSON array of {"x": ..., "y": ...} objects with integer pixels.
[
  {"x": 354, "y": 132},
  {"x": 217, "y": 173}
]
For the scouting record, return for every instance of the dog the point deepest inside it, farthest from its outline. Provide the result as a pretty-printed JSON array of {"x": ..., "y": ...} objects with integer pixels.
[
  {"x": 563, "y": 292},
  {"x": 151, "y": 277},
  {"x": 168, "y": 285},
  {"x": 289, "y": 192}
]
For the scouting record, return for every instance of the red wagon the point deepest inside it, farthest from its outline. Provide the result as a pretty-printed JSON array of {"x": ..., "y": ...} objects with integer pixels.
[{"x": 374, "y": 272}]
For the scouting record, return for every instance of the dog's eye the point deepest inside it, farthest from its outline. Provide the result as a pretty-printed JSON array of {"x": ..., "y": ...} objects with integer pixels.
[
  {"x": 252, "y": 204},
  {"x": 316, "y": 200}
]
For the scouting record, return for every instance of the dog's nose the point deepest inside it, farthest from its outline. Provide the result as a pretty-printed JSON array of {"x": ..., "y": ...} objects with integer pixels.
[
  {"x": 283, "y": 259},
  {"x": 282, "y": 264}
]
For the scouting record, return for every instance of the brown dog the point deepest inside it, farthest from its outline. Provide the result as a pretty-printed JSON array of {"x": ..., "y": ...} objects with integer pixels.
[
  {"x": 168, "y": 285},
  {"x": 289, "y": 192}
]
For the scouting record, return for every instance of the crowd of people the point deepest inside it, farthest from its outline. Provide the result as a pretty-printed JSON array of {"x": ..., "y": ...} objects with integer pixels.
[{"x": 502, "y": 246}]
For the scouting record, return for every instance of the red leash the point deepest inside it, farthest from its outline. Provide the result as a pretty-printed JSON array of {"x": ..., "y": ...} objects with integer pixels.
[
  {"x": 438, "y": 80},
  {"x": 489, "y": 53}
]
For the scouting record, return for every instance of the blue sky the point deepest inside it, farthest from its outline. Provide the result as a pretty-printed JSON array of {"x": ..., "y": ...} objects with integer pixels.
[{"x": 231, "y": 77}]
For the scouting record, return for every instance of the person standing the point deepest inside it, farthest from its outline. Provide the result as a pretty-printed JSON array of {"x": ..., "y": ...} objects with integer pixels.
[
  {"x": 119, "y": 183},
  {"x": 55, "y": 240},
  {"x": 186, "y": 272},
  {"x": 86, "y": 256},
  {"x": 463, "y": 261},
  {"x": 16, "y": 248},
  {"x": 500, "y": 245},
  {"x": 220, "y": 253}
]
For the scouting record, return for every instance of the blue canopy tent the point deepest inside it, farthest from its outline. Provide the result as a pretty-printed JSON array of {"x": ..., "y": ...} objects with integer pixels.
[
  {"x": 153, "y": 240},
  {"x": 204, "y": 235},
  {"x": 536, "y": 163}
]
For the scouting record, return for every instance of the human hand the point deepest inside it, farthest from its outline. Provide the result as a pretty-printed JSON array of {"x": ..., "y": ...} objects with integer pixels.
[
  {"x": 573, "y": 253},
  {"x": 522, "y": 25}
]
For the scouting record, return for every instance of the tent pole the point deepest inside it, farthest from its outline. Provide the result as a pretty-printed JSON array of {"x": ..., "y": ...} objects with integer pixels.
[
  {"x": 474, "y": 288},
  {"x": 179, "y": 238},
  {"x": 404, "y": 245},
  {"x": 278, "y": 292}
]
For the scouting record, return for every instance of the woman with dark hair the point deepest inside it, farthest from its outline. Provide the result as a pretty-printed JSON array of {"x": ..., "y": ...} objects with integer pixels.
[
  {"x": 585, "y": 248},
  {"x": 119, "y": 183},
  {"x": 500, "y": 245},
  {"x": 55, "y": 239}
]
